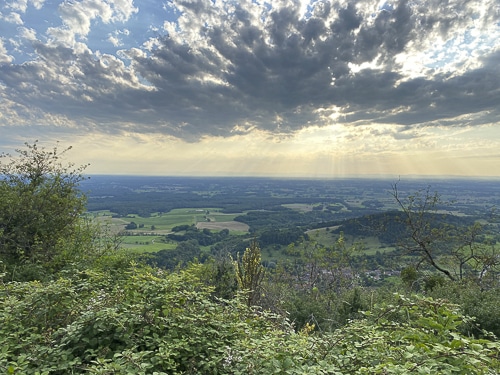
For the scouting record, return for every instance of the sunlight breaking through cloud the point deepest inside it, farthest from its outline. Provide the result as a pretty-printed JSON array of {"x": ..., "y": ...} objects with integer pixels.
[{"x": 218, "y": 69}]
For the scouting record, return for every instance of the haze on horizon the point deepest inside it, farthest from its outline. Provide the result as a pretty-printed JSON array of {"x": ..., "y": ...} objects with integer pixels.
[{"x": 256, "y": 88}]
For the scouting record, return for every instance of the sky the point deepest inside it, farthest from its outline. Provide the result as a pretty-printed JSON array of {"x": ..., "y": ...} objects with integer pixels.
[{"x": 255, "y": 88}]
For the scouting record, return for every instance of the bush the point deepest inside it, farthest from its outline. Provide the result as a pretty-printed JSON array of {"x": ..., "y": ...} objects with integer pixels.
[
  {"x": 143, "y": 320},
  {"x": 41, "y": 205}
]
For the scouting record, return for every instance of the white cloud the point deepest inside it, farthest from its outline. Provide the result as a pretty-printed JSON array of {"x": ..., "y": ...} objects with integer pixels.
[
  {"x": 27, "y": 34},
  {"x": 123, "y": 10},
  {"x": 77, "y": 16},
  {"x": 115, "y": 38},
  {"x": 17, "y": 5},
  {"x": 14, "y": 18},
  {"x": 115, "y": 41},
  {"x": 38, "y": 4},
  {"x": 4, "y": 56},
  {"x": 22, "y": 5}
]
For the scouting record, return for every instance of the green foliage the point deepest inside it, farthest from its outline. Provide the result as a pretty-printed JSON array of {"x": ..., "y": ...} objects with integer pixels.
[
  {"x": 412, "y": 335},
  {"x": 317, "y": 285},
  {"x": 138, "y": 321},
  {"x": 219, "y": 272},
  {"x": 409, "y": 276},
  {"x": 324, "y": 267},
  {"x": 40, "y": 206},
  {"x": 281, "y": 236},
  {"x": 250, "y": 273},
  {"x": 131, "y": 226},
  {"x": 143, "y": 320},
  {"x": 204, "y": 237},
  {"x": 482, "y": 304},
  {"x": 183, "y": 254}
]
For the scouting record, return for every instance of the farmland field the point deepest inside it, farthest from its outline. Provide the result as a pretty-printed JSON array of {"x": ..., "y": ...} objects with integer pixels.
[
  {"x": 276, "y": 212},
  {"x": 146, "y": 244},
  {"x": 151, "y": 231},
  {"x": 233, "y": 226}
]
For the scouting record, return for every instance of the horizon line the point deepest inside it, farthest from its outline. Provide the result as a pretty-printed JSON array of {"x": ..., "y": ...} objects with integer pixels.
[{"x": 303, "y": 177}]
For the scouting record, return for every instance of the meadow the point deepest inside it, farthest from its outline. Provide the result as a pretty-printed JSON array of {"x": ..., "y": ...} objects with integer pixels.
[{"x": 149, "y": 236}]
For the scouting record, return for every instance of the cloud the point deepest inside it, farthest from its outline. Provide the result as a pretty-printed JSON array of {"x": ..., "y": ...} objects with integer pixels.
[
  {"x": 77, "y": 16},
  {"x": 231, "y": 67},
  {"x": 20, "y": 5},
  {"x": 14, "y": 18},
  {"x": 27, "y": 34},
  {"x": 4, "y": 56}
]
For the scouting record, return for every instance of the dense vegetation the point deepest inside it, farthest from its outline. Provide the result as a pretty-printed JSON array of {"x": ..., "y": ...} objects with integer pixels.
[
  {"x": 143, "y": 321},
  {"x": 71, "y": 301}
]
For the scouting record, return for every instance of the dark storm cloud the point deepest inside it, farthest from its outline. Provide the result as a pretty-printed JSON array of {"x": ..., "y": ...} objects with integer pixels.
[{"x": 230, "y": 66}]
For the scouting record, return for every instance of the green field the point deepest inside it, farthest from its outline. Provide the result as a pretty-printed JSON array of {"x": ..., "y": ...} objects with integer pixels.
[
  {"x": 152, "y": 230},
  {"x": 146, "y": 244},
  {"x": 164, "y": 222}
]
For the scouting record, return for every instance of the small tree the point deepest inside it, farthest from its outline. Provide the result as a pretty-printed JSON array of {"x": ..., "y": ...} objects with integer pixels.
[
  {"x": 250, "y": 272},
  {"x": 452, "y": 250},
  {"x": 41, "y": 204}
]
